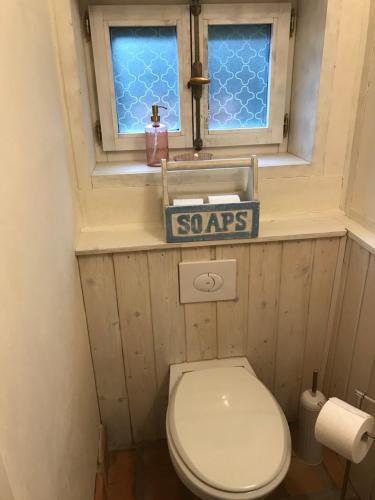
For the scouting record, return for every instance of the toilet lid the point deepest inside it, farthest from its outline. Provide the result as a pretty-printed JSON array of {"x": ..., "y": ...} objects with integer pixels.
[{"x": 228, "y": 429}]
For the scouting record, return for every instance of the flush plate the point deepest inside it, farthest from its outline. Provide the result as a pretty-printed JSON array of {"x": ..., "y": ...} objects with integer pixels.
[{"x": 208, "y": 281}]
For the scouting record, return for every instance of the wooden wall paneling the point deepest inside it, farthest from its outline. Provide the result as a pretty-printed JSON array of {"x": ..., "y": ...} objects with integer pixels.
[
  {"x": 200, "y": 318},
  {"x": 335, "y": 319},
  {"x": 364, "y": 348},
  {"x": 99, "y": 291},
  {"x": 293, "y": 308},
  {"x": 362, "y": 475},
  {"x": 352, "y": 355},
  {"x": 322, "y": 281},
  {"x": 349, "y": 317},
  {"x": 332, "y": 318},
  {"x": 232, "y": 314},
  {"x": 264, "y": 286},
  {"x": 138, "y": 327},
  {"x": 133, "y": 295},
  {"x": 168, "y": 321}
]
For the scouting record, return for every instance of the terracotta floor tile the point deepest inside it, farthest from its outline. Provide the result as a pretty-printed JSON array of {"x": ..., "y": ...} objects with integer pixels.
[
  {"x": 122, "y": 466},
  {"x": 335, "y": 466},
  {"x": 100, "y": 488},
  {"x": 293, "y": 427},
  {"x": 303, "y": 479},
  {"x": 122, "y": 474},
  {"x": 160, "y": 481},
  {"x": 148, "y": 474},
  {"x": 278, "y": 494},
  {"x": 120, "y": 491}
]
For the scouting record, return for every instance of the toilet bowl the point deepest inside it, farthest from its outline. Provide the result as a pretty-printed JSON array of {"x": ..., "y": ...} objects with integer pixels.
[{"x": 227, "y": 436}]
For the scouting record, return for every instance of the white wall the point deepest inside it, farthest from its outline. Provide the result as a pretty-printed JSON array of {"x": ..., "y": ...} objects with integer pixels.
[
  {"x": 5, "y": 490},
  {"x": 48, "y": 409},
  {"x": 361, "y": 185},
  {"x": 311, "y": 24}
]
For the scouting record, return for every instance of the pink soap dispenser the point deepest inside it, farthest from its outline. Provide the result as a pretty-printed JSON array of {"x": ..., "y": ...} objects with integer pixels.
[{"x": 156, "y": 139}]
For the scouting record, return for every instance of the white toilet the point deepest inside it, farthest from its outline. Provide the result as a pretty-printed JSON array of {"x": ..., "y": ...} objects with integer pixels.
[{"x": 227, "y": 436}]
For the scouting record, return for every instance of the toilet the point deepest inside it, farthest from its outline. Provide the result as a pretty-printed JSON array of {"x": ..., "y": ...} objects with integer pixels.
[{"x": 227, "y": 436}]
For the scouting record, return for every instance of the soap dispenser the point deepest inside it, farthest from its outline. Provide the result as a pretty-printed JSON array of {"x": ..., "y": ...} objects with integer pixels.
[{"x": 156, "y": 134}]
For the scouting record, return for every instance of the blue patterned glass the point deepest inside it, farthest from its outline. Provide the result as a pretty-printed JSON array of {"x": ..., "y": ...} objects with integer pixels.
[
  {"x": 145, "y": 72},
  {"x": 239, "y": 69}
]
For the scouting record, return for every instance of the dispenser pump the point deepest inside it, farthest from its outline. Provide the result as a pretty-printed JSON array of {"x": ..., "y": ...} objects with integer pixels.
[
  {"x": 155, "y": 113},
  {"x": 156, "y": 135}
]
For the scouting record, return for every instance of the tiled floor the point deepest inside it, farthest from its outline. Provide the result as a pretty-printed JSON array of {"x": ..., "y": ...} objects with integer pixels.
[{"x": 147, "y": 474}]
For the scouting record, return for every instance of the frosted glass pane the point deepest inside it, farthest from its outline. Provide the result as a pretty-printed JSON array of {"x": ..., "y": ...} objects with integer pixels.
[
  {"x": 239, "y": 69},
  {"x": 145, "y": 72}
]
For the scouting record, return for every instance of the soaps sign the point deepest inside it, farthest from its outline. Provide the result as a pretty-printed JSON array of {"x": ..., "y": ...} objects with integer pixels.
[{"x": 212, "y": 222}]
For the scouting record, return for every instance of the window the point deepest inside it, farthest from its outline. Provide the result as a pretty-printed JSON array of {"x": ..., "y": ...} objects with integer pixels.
[
  {"x": 145, "y": 71},
  {"x": 142, "y": 56},
  {"x": 239, "y": 67},
  {"x": 246, "y": 57}
]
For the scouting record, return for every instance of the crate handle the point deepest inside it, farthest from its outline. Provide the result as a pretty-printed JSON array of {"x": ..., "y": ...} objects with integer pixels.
[{"x": 174, "y": 166}]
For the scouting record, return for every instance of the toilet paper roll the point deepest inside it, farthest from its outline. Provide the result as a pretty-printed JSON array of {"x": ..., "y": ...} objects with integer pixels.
[
  {"x": 342, "y": 428},
  {"x": 224, "y": 198},
  {"x": 186, "y": 202}
]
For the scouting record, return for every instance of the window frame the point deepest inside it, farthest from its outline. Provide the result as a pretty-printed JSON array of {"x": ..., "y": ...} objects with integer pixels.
[
  {"x": 279, "y": 15},
  {"x": 102, "y": 17}
]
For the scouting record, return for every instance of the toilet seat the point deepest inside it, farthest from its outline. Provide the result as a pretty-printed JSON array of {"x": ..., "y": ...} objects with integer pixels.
[{"x": 227, "y": 434}]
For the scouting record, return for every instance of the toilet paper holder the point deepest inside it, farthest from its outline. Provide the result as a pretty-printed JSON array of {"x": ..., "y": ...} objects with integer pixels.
[{"x": 362, "y": 396}]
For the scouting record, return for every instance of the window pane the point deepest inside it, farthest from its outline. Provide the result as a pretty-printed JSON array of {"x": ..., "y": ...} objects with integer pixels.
[
  {"x": 239, "y": 69},
  {"x": 145, "y": 72}
]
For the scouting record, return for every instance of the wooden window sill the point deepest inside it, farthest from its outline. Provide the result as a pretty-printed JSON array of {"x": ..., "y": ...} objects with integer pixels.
[{"x": 138, "y": 174}]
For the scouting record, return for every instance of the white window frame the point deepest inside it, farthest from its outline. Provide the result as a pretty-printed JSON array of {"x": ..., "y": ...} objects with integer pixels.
[
  {"x": 277, "y": 14},
  {"x": 101, "y": 19}
]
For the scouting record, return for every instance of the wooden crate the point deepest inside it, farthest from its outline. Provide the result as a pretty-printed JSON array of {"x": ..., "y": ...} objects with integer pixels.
[{"x": 210, "y": 222}]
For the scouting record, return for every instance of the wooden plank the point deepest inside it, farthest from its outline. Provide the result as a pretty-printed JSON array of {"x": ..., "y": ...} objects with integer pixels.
[
  {"x": 293, "y": 306},
  {"x": 200, "y": 318},
  {"x": 232, "y": 314},
  {"x": 335, "y": 318},
  {"x": 335, "y": 300},
  {"x": 168, "y": 321},
  {"x": 133, "y": 295},
  {"x": 264, "y": 284},
  {"x": 364, "y": 348},
  {"x": 323, "y": 275},
  {"x": 99, "y": 291},
  {"x": 349, "y": 317},
  {"x": 114, "y": 414}
]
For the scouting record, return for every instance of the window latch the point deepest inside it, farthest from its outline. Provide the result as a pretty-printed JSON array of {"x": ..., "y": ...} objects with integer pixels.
[{"x": 198, "y": 80}]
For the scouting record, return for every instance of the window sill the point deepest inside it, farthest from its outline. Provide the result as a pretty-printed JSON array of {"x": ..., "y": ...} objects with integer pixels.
[{"x": 137, "y": 174}]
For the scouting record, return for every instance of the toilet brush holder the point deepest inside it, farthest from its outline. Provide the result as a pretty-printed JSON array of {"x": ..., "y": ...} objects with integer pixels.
[{"x": 312, "y": 400}]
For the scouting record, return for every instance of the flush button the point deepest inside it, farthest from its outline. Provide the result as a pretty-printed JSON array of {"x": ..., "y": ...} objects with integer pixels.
[
  {"x": 204, "y": 283},
  {"x": 208, "y": 282},
  {"x": 219, "y": 282}
]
